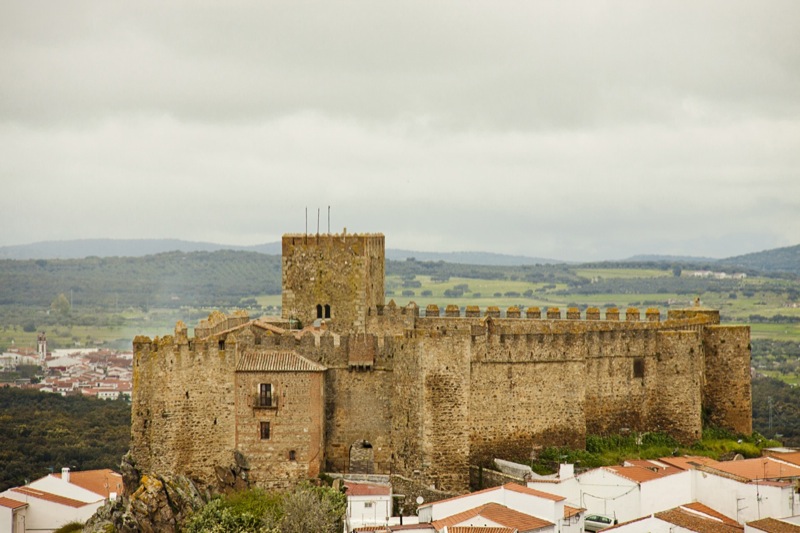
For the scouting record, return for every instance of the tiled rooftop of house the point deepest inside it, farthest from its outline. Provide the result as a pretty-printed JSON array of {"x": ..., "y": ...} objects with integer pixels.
[
  {"x": 765, "y": 468},
  {"x": 11, "y": 504},
  {"x": 47, "y": 496},
  {"x": 688, "y": 462},
  {"x": 276, "y": 361},
  {"x": 773, "y": 525},
  {"x": 495, "y": 513},
  {"x": 101, "y": 482},
  {"x": 367, "y": 489},
  {"x": 697, "y": 522},
  {"x": 640, "y": 474},
  {"x": 508, "y": 486}
]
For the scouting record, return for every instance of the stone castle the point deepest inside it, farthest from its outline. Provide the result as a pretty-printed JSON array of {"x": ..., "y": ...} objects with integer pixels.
[{"x": 369, "y": 387}]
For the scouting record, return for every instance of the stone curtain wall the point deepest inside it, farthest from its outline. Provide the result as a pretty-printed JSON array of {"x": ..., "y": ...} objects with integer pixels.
[{"x": 440, "y": 393}]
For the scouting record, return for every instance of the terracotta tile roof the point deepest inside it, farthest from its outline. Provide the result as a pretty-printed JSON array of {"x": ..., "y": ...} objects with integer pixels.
[
  {"x": 276, "y": 361},
  {"x": 367, "y": 489},
  {"x": 569, "y": 511},
  {"x": 696, "y": 522},
  {"x": 11, "y": 504},
  {"x": 470, "y": 529},
  {"x": 100, "y": 482},
  {"x": 789, "y": 457},
  {"x": 508, "y": 486},
  {"x": 773, "y": 525},
  {"x": 639, "y": 474},
  {"x": 759, "y": 468},
  {"x": 61, "y": 500},
  {"x": 698, "y": 507},
  {"x": 533, "y": 492},
  {"x": 414, "y": 527},
  {"x": 499, "y": 514},
  {"x": 266, "y": 325},
  {"x": 688, "y": 462}
]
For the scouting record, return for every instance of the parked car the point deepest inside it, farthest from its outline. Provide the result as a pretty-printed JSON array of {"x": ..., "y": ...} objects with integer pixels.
[{"x": 598, "y": 522}]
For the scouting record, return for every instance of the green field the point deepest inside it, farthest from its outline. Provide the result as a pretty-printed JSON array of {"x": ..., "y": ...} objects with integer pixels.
[{"x": 738, "y": 301}]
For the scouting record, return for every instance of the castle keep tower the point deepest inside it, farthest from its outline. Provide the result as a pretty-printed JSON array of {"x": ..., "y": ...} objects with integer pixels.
[{"x": 336, "y": 278}]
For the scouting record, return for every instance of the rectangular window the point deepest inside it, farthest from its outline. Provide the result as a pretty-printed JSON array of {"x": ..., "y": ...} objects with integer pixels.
[
  {"x": 638, "y": 367},
  {"x": 264, "y": 430},
  {"x": 265, "y": 395},
  {"x": 367, "y": 505}
]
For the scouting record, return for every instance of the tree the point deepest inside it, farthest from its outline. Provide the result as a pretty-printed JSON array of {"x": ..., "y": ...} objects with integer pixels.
[
  {"x": 60, "y": 305},
  {"x": 677, "y": 271}
]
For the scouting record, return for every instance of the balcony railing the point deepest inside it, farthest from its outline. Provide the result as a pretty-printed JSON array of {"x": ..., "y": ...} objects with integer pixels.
[{"x": 265, "y": 402}]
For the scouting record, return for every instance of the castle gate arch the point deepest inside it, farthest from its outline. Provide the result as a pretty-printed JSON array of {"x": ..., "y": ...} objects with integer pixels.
[{"x": 362, "y": 458}]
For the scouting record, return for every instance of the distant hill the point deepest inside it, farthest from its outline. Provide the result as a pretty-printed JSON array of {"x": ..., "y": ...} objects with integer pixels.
[
  {"x": 776, "y": 260},
  {"x": 470, "y": 258},
  {"x": 79, "y": 249},
  {"x": 655, "y": 258}
]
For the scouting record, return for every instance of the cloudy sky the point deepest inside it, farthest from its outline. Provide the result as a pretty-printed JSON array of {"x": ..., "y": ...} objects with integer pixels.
[{"x": 568, "y": 130}]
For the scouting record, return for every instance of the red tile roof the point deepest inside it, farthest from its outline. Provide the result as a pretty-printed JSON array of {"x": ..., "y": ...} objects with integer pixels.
[
  {"x": 688, "y": 462},
  {"x": 640, "y": 474},
  {"x": 773, "y": 525},
  {"x": 698, "y": 507},
  {"x": 759, "y": 468},
  {"x": 11, "y": 504},
  {"x": 470, "y": 529},
  {"x": 276, "y": 361},
  {"x": 508, "y": 486},
  {"x": 55, "y": 498},
  {"x": 696, "y": 522},
  {"x": 569, "y": 511},
  {"x": 367, "y": 489},
  {"x": 494, "y": 512},
  {"x": 100, "y": 482},
  {"x": 533, "y": 492}
]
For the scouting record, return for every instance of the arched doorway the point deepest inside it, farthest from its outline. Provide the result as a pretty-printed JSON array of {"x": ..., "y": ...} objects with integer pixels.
[{"x": 362, "y": 458}]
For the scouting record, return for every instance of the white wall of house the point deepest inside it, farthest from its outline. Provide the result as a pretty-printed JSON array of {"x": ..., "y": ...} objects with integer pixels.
[
  {"x": 604, "y": 492},
  {"x": 43, "y": 516},
  {"x": 543, "y": 508},
  {"x": 743, "y": 502},
  {"x": 666, "y": 493},
  {"x": 368, "y": 510}
]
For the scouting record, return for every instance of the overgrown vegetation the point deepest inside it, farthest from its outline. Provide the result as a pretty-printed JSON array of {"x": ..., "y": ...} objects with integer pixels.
[
  {"x": 42, "y": 432},
  {"x": 615, "y": 449},
  {"x": 306, "y": 508}
]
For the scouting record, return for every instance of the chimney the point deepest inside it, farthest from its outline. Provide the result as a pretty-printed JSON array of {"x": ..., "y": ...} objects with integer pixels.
[
  {"x": 566, "y": 471},
  {"x": 65, "y": 474}
]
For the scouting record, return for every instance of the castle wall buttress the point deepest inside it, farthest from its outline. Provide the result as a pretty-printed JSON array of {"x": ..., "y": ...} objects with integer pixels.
[
  {"x": 727, "y": 397},
  {"x": 675, "y": 399},
  {"x": 183, "y": 406}
]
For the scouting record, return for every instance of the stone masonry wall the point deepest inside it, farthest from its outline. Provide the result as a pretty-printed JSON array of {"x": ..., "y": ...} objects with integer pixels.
[
  {"x": 675, "y": 375},
  {"x": 727, "y": 395},
  {"x": 343, "y": 272},
  {"x": 182, "y": 407},
  {"x": 296, "y": 425},
  {"x": 526, "y": 391}
]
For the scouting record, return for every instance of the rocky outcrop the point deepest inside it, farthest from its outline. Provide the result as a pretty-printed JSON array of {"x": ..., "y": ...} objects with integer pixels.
[{"x": 151, "y": 503}]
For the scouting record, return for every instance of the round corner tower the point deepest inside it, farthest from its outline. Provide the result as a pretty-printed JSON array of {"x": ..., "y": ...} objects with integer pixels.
[{"x": 336, "y": 278}]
